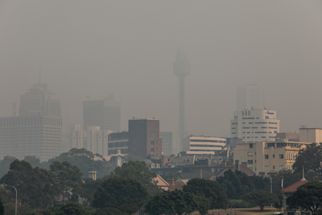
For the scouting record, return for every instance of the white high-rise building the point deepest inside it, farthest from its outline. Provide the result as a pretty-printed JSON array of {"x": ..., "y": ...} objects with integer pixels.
[{"x": 255, "y": 125}]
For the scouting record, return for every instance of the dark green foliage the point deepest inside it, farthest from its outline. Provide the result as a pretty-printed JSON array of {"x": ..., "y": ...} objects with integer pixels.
[
  {"x": 176, "y": 202},
  {"x": 35, "y": 185},
  {"x": 308, "y": 197},
  {"x": 237, "y": 184},
  {"x": 207, "y": 189},
  {"x": 109, "y": 211},
  {"x": 85, "y": 161},
  {"x": 310, "y": 159},
  {"x": 1, "y": 208},
  {"x": 68, "y": 179},
  {"x": 139, "y": 172},
  {"x": 89, "y": 188},
  {"x": 260, "y": 198},
  {"x": 69, "y": 209},
  {"x": 123, "y": 194},
  {"x": 288, "y": 178}
]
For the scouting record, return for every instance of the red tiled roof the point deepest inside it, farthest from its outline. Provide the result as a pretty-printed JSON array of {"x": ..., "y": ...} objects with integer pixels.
[{"x": 294, "y": 187}]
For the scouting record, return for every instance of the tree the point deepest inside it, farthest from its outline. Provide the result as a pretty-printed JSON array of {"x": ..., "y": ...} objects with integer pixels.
[
  {"x": 176, "y": 202},
  {"x": 108, "y": 211},
  {"x": 139, "y": 172},
  {"x": 311, "y": 160},
  {"x": 308, "y": 197},
  {"x": 69, "y": 209},
  {"x": 85, "y": 161},
  {"x": 35, "y": 185},
  {"x": 210, "y": 190},
  {"x": 1, "y": 208},
  {"x": 236, "y": 184},
  {"x": 123, "y": 194},
  {"x": 260, "y": 198},
  {"x": 68, "y": 178}
]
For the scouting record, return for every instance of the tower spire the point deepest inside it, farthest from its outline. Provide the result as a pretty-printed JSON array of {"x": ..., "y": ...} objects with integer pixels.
[{"x": 181, "y": 69}]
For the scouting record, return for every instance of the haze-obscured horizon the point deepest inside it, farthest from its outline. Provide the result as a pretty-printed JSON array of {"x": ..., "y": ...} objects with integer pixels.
[{"x": 127, "y": 48}]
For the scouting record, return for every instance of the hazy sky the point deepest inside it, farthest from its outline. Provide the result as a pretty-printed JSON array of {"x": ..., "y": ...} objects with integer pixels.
[{"x": 98, "y": 47}]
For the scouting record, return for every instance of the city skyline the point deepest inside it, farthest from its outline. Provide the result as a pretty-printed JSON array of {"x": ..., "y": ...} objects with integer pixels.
[{"x": 134, "y": 61}]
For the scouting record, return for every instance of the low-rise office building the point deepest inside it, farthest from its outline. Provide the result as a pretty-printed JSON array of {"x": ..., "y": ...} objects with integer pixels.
[
  {"x": 267, "y": 157},
  {"x": 206, "y": 145}
]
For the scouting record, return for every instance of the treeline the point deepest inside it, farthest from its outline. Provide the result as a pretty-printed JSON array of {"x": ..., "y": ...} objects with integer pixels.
[
  {"x": 62, "y": 190},
  {"x": 84, "y": 160}
]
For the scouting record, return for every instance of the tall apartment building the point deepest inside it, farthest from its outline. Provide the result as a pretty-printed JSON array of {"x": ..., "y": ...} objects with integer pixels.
[
  {"x": 118, "y": 144},
  {"x": 255, "y": 125},
  {"x": 37, "y": 131},
  {"x": 103, "y": 113},
  {"x": 206, "y": 145},
  {"x": 267, "y": 157},
  {"x": 144, "y": 139}
]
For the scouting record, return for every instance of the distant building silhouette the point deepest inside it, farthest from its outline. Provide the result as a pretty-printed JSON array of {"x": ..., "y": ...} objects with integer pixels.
[
  {"x": 37, "y": 131},
  {"x": 144, "y": 139},
  {"x": 167, "y": 143},
  {"x": 103, "y": 113},
  {"x": 38, "y": 101}
]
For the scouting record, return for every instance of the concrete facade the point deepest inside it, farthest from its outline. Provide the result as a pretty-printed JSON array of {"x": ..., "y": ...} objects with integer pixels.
[
  {"x": 255, "y": 125},
  {"x": 267, "y": 157}
]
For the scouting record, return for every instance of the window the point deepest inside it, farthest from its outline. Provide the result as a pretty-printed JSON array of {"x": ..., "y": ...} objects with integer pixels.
[
  {"x": 273, "y": 155},
  {"x": 266, "y": 157},
  {"x": 250, "y": 161},
  {"x": 281, "y": 156},
  {"x": 251, "y": 146}
]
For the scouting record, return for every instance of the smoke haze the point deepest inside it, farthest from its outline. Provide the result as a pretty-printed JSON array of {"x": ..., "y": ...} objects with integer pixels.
[{"x": 127, "y": 48}]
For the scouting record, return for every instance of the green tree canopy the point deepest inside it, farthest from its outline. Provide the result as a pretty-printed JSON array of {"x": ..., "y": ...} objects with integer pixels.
[
  {"x": 85, "y": 161},
  {"x": 308, "y": 197},
  {"x": 69, "y": 209},
  {"x": 176, "y": 202},
  {"x": 311, "y": 160},
  {"x": 68, "y": 178},
  {"x": 207, "y": 189},
  {"x": 109, "y": 211},
  {"x": 139, "y": 172},
  {"x": 236, "y": 184},
  {"x": 260, "y": 198},
  {"x": 123, "y": 194},
  {"x": 36, "y": 186}
]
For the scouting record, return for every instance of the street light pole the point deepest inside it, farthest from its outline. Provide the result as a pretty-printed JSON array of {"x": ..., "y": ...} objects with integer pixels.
[{"x": 16, "y": 192}]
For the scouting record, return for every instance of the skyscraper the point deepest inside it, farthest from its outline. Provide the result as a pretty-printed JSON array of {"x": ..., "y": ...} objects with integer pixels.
[
  {"x": 37, "y": 131},
  {"x": 103, "y": 113},
  {"x": 38, "y": 101},
  {"x": 144, "y": 139},
  {"x": 181, "y": 69}
]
